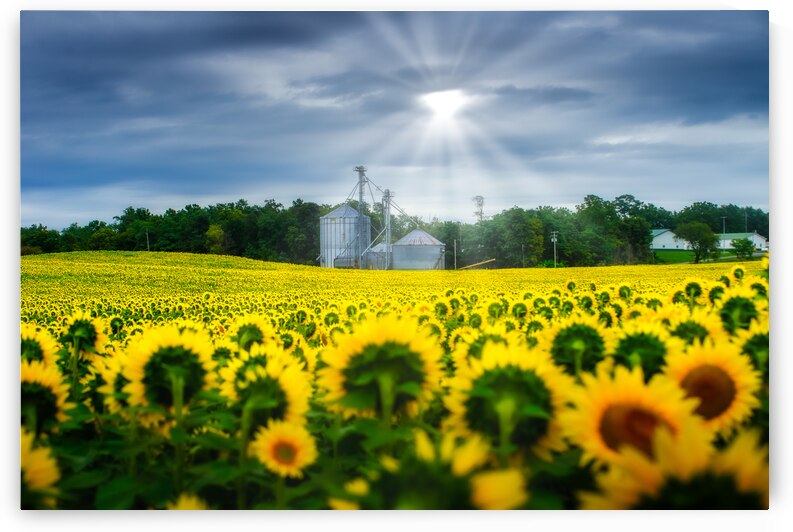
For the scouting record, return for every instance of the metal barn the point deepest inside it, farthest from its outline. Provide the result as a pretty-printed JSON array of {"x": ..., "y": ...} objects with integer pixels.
[
  {"x": 339, "y": 237},
  {"x": 418, "y": 250}
]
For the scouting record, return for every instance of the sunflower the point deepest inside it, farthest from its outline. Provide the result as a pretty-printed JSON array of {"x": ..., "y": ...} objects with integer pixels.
[
  {"x": 721, "y": 378},
  {"x": 113, "y": 382},
  {"x": 251, "y": 329},
  {"x": 754, "y": 343},
  {"x": 645, "y": 345},
  {"x": 187, "y": 501},
  {"x": 284, "y": 448},
  {"x": 40, "y": 473},
  {"x": 686, "y": 474},
  {"x": 387, "y": 365},
  {"x": 611, "y": 412},
  {"x": 163, "y": 357},
  {"x": 44, "y": 396},
  {"x": 513, "y": 396},
  {"x": 462, "y": 459},
  {"x": 739, "y": 307},
  {"x": 469, "y": 344},
  {"x": 266, "y": 375},
  {"x": 696, "y": 325},
  {"x": 38, "y": 344},
  {"x": 577, "y": 345},
  {"x": 499, "y": 490},
  {"x": 85, "y": 333}
]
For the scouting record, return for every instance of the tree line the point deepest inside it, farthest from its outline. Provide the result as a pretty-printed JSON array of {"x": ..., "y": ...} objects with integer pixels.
[{"x": 596, "y": 232}]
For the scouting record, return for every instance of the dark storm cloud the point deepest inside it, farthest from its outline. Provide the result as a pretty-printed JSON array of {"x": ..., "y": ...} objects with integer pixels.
[{"x": 183, "y": 107}]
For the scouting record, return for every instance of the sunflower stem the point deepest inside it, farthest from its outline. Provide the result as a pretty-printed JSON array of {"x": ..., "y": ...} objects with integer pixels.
[
  {"x": 505, "y": 409},
  {"x": 177, "y": 390},
  {"x": 73, "y": 361},
  {"x": 386, "y": 385},
  {"x": 133, "y": 438},
  {"x": 247, "y": 416},
  {"x": 31, "y": 419},
  {"x": 578, "y": 361},
  {"x": 280, "y": 493}
]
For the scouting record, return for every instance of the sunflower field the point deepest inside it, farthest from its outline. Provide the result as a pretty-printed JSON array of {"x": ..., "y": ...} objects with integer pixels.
[{"x": 176, "y": 381}]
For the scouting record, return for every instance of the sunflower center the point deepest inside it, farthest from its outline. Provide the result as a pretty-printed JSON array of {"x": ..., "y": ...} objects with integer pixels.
[
  {"x": 689, "y": 331},
  {"x": 629, "y": 425},
  {"x": 578, "y": 346},
  {"x": 31, "y": 350},
  {"x": 247, "y": 335},
  {"x": 642, "y": 349},
  {"x": 284, "y": 453},
  {"x": 531, "y": 406},
  {"x": 713, "y": 387}
]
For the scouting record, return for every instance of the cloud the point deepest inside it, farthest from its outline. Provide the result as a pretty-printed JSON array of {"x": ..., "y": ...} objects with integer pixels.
[{"x": 171, "y": 108}]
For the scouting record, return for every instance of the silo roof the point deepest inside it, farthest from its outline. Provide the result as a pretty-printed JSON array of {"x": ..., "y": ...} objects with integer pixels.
[
  {"x": 418, "y": 237},
  {"x": 344, "y": 211}
]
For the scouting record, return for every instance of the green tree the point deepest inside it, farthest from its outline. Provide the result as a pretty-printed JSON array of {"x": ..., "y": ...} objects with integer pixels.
[
  {"x": 703, "y": 241},
  {"x": 744, "y": 248},
  {"x": 215, "y": 239}
]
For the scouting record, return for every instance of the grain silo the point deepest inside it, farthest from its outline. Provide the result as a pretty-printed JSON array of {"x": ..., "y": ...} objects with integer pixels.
[
  {"x": 418, "y": 250},
  {"x": 339, "y": 234}
]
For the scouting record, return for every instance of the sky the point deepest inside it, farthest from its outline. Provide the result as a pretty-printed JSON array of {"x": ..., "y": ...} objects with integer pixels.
[{"x": 164, "y": 109}]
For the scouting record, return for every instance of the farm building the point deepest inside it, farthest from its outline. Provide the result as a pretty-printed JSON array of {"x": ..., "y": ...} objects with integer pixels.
[
  {"x": 418, "y": 250},
  {"x": 759, "y": 241},
  {"x": 666, "y": 239},
  {"x": 339, "y": 235}
]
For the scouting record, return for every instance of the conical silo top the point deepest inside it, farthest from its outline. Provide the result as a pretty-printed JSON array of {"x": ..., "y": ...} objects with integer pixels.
[{"x": 418, "y": 237}]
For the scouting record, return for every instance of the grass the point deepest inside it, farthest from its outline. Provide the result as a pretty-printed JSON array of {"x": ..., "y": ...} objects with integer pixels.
[{"x": 679, "y": 256}]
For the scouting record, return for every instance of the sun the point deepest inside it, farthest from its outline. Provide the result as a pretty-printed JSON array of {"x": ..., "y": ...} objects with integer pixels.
[{"x": 445, "y": 104}]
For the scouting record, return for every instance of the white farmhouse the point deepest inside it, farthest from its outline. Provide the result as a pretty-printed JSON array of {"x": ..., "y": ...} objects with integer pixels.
[{"x": 666, "y": 239}]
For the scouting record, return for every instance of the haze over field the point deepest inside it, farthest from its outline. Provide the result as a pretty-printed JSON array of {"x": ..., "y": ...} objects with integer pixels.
[{"x": 163, "y": 109}]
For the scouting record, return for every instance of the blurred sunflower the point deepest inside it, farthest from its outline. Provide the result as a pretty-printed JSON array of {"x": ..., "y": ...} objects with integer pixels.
[
  {"x": 499, "y": 490},
  {"x": 577, "y": 344},
  {"x": 721, "y": 378},
  {"x": 162, "y": 357},
  {"x": 686, "y": 474},
  {"x": 696, "y": 325},
  {"x": 645, "y": 345},
  {"x": 113, "y": 382},
  {"x": 38, "y": 344},
  {"x": 269, "y": 382},
  {"x": 40, "y": 474},
  {"x": 251, "y": 329},
  {"x": 754, "y": 343},
  {"x": 739, "y": 307},
  {"x": 513, "y": 396},
  {"x": 187, "y": 501},
  {"x": 84, "y": 333},
  {"x": 284, "y": 448},
  {"x": 611, "y": 412},
  {"x": 386, "y": 365},
  {"x": 44, "y": 396}
]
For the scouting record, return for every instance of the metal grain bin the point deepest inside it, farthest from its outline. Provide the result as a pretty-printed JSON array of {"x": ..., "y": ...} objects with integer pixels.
[
  {"x": 338, "y": 237},
  {"x": 418, "y": 250}
]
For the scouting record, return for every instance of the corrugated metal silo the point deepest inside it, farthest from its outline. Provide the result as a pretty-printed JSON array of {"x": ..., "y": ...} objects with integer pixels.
[
  {"x": 418, "y": 250},
  {"x": 338, "y": 237}
]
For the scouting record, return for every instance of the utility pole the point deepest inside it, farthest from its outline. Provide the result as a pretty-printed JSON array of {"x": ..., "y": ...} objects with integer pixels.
[
  {"x": 455, "y": 253},
  {"x": 147, "y": 239},
  {"x": 554, "y": 238},
  {"x": 746, "y": 219},
  {"x": 522, "y": 257},
  {"x": 723, "y": 231}
]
